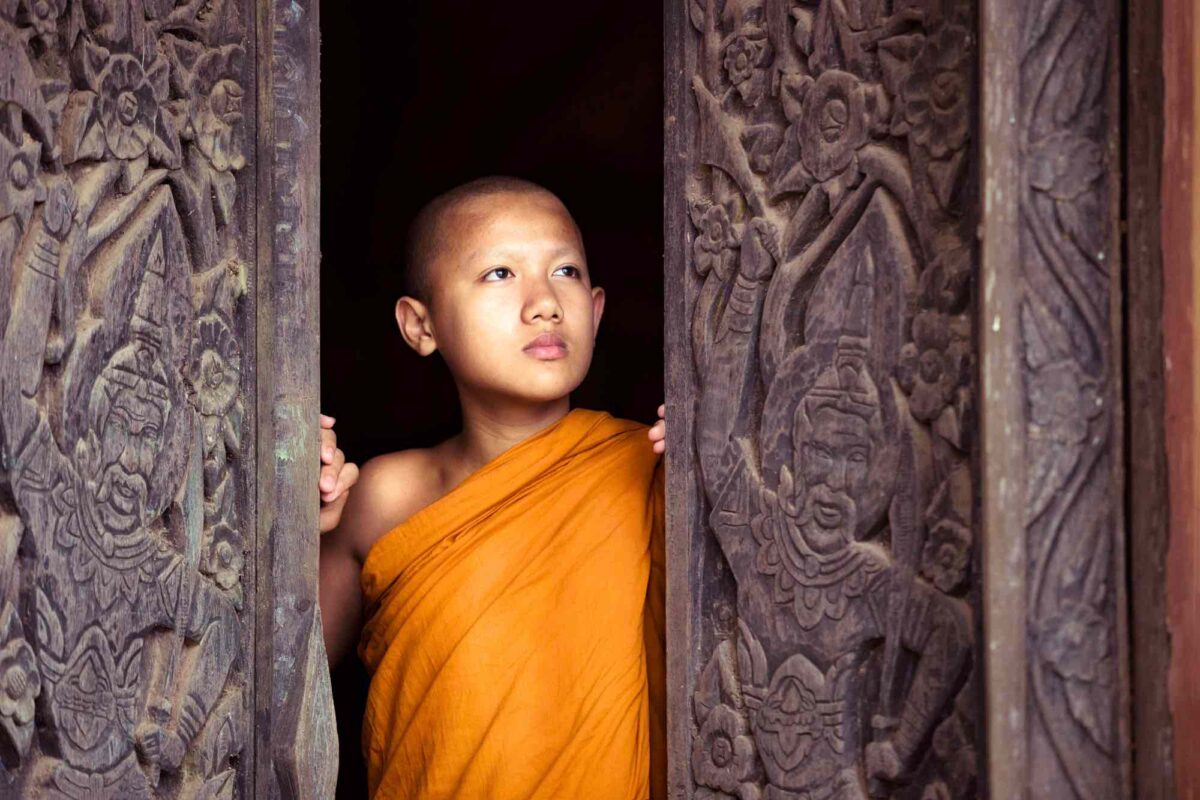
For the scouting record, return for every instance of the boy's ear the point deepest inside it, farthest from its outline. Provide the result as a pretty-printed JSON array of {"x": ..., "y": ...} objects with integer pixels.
[
  {"x": 597, "y": 308},
  {"x": 412, "y": 317}
]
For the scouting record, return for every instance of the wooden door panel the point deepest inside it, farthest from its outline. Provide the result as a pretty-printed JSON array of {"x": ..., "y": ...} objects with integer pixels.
[
  {"x": 828, "y": 288},
  {"x": 133, "y": 295},
  {"x": 831, "y": 169}
]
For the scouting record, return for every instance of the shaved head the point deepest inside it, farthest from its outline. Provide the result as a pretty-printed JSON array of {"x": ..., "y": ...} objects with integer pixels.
[{"x": 432, "y": 229}]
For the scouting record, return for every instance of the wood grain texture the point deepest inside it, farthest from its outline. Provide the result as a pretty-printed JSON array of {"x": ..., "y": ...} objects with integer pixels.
[
  {"x": 293, "y": 702},
  {"x": 1147, "y": 498},
  {"x": 1181, "y": 302}
]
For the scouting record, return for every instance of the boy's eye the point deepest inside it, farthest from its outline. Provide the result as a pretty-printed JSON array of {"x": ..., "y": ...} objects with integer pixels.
[
  {"x": 497, "y": 274},
  {"x": 569, "y": 271}
]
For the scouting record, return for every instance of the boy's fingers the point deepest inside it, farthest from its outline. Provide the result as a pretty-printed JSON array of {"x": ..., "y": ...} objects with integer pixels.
[
  {"x": 327, "y": 421},
  {"x": 346, "y": 479},
  {"x": 331, "y": 514},
  {"x": 328, "y": 445},
  {"x": 662, "y": 410},
  {"x": 660, "y": 446},
  {"x": 331, "y": 472}
]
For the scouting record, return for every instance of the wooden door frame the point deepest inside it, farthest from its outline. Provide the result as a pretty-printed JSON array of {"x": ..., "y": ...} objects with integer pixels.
[{"x": 295, "y": 731}]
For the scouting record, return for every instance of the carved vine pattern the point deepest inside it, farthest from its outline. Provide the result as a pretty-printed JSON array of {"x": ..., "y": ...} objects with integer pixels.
[
  {"x": 122, "y": 284},
  {"x": 832, "y": 335},
  {"x": 1068, "y": 390}
]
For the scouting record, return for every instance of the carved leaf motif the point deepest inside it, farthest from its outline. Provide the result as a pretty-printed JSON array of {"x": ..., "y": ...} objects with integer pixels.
[
  {"x": 1065, "y": 164},
  {"x": 1090, "y": 705}
]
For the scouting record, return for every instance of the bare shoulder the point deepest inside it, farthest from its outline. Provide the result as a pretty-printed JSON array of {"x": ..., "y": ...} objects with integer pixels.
[{"x": 390, "y": 489}]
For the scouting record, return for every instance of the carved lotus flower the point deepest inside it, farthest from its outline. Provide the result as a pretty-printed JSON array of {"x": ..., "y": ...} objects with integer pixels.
[
  {"x": 218, "y": 366},
  {"x": 746, "y": 59},
  {"x": 128, "y": 107},
  {"x": 935, "y": 363},
  {"x": 713, "y": 248},
  {"x": 937, "y": 91},
  {"x": 723, "y": 755},
  {"x": 947, "y": 554},
  {"x": 20, "y": 682}
]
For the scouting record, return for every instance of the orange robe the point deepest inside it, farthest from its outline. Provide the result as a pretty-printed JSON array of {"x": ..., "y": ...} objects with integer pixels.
[{"x": 511, "y": 645}]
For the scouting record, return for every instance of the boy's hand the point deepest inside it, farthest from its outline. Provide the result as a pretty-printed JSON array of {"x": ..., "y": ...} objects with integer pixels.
[
  {"x": 658, "y": 433},
  {"x": 336, "y": 477}
]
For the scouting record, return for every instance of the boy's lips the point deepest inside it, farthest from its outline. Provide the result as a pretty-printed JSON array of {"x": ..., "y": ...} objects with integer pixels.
[{"x": 547, "y": 347}]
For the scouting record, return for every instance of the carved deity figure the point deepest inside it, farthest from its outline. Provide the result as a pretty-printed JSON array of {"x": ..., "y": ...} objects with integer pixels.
[
  {"x": 828, "y": 610},
  {"x": 113, "y": 523}
]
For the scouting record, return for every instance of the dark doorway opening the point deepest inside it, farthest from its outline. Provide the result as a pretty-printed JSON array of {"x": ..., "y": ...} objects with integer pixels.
[{"x": 418, "y": 97}]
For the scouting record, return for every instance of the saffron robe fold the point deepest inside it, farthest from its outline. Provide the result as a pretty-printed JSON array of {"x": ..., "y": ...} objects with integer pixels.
[{"x": 514, "y": 627}]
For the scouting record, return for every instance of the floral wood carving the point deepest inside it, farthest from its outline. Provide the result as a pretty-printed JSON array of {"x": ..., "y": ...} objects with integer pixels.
[
  {"x": 833, "y": 348},
  {"x": 1070, "y": 373},
  {"x": 123, "y": 273}
]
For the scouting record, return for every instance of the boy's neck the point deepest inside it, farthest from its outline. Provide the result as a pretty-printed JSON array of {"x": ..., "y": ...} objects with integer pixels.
[{"x": 491, "y": 427}]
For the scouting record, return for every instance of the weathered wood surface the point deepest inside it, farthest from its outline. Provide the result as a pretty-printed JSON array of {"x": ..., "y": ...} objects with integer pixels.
[
  {"x": 298, "y": 743},
  {"x": 1154, "y": 761},
  {"x": 131, "y": 609},
  {"x": 1051, "y": 408},
  {"x": 846, "y": 535},
  {"x": 820, "y": 176},
  {"x": 1180, "y": 63}
]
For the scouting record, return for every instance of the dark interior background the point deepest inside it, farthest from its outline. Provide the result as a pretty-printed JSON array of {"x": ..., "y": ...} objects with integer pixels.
[{"x": 420, "y": 96}]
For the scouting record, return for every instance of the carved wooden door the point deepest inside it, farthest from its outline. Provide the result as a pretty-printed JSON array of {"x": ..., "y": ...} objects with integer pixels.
[
  {"x": 894, "y": 393},
  {"x": 158, "y": 630}
]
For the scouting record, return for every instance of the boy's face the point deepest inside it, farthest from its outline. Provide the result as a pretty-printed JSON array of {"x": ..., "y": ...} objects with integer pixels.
[{"x": 511, "y": 305}]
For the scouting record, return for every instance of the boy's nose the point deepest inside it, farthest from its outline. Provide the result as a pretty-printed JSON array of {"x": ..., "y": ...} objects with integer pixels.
[{"x": 542, "y": 304}]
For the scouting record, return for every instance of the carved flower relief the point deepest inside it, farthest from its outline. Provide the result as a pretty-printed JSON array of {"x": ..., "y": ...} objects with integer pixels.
[
  {"x": 833, "y": 125},
  {"x": 42, "y": 17},
  {"x": 747, "y": 56},
  {"x": 1074, "y": 643},
  {"x": 936, "y": 93},
  {"x": 128, "y": 107},
  {"x": 218, "y": 366},
  {"x": 936, "y": 363},
  {"x": 20, "y": 184},
  {"x": 723, "y": 755},
  {"x": 945, "y": 284},
  {"x": 1062, "y": 400},
  {"x": 120, "y": 114},
  {"x": 713, "y": 249},
  {"x": 215, "y": 107},
  {"x": 225, "y": 556},
  {"x": 946, "y": 555},
  {"x": 20, "y": 682}
]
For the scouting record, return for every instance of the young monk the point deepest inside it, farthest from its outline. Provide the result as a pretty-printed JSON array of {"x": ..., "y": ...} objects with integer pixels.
[{"x": 510, "y": 578}]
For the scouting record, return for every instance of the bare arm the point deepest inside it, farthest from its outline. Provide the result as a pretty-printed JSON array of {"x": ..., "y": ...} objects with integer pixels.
[{"x": 389, "y": 489}]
